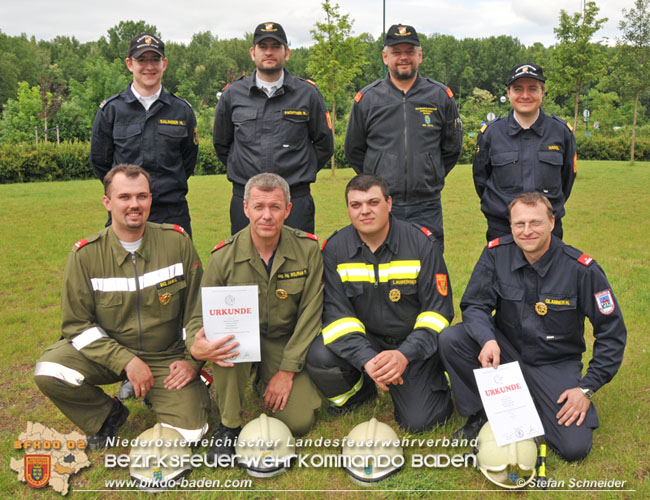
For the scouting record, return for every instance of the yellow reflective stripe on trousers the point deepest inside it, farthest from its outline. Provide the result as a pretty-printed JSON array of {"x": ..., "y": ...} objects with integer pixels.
[
  {"x": 343, "y": 398},
  {"x": 342, "y": 327},
  {"x": 399, "y": 270},
  {"x": 432, "y": 320},
  {"x": 356, "y": 271}
]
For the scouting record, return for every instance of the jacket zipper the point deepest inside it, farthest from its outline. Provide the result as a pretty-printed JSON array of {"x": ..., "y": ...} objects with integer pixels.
[
  {"x": 137, "y": 302},
  {"x": 406, "y": 149}
]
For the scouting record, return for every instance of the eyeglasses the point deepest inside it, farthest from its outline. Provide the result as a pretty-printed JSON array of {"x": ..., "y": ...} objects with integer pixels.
[
  {"x": 147, "y": 60},
  {"x": 533, "y": 224}
]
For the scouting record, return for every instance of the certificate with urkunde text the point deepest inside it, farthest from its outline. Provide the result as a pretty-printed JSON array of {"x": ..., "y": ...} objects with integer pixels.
[
  {"x": 508, "y": 404},
  {"x": 233, "y": 310}
]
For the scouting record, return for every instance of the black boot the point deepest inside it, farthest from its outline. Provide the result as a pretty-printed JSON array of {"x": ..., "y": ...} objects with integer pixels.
[
  {"x": 223, "y": 442},
  {"x": 116, "y": 418},
  {"x": 472, "y": 427}
]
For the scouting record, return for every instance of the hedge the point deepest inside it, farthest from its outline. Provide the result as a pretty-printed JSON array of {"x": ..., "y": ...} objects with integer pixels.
[{"x": 27, "y": 162}]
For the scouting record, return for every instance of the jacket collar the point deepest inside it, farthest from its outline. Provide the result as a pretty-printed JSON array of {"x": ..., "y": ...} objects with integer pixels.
[
  {"x": 121, "y": 254},
  {"x": 542, "y": 265},
  {"x": 538, "y": 127},
  {"x": 129, "y": 97},
  {"x": 391, "y": 241},
  {"x": 246, "y": 251},
  {"x": 289, "y": 83}
]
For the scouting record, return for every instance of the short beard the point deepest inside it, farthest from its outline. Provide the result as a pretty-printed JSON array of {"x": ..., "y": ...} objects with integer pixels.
[
  {"x": 401, "y": 76},
  {"x": 271, "y": 72}
]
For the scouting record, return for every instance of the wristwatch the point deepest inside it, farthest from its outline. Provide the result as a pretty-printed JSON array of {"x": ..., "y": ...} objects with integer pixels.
[{"x": 587, "y": 392}]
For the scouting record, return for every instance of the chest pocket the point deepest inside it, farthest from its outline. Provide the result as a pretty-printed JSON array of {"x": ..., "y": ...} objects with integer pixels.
[
  {"x": 511, "y": 297},
  {"x": 294, "y": 127},
  {"x": 550, "y": 171},
  {"x": 128, "y": 139},
  {"x": 244, "y": 122},
  {"x": 562, "y": 317},
  {"x": 506, "y": 171},
  {"x": 169, "y": 299}
]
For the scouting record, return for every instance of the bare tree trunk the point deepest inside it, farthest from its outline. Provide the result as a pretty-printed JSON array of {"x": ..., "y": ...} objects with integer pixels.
[
  {"x": 636, "y": 106},
  {"x": 45, "y": 131},
  {"x": 333, "y": 120},
  {"x": 577, "y": 104}
]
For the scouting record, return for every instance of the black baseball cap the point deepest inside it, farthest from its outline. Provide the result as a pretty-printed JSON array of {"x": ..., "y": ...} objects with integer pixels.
[
  {"x": 401, "y": 33},
  {"x": 269, "y": 30},
  {"x": 526, "y": 70},
  {"x": 146, "y": 42}
]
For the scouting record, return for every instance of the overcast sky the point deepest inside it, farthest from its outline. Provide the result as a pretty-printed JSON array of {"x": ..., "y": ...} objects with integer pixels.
[{"x": 528, "y": 20}]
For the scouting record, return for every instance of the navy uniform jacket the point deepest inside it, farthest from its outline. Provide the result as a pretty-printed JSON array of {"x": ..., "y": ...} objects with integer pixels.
[
  {"x": 410, "y": 140},
  {"x": 510, "y": 161},
  {"x": 400, "y": 294},
  {"x": 541, "y": 308},
  {"x": 287, "y": 134},
  {"x": 163, "y": 141}
]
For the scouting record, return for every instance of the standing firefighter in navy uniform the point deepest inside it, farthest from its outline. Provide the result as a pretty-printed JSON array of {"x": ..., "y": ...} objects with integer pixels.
[
  {"x": 526, "y": 151},
  {"x": 526, "y": 301},
  {"x": 146, "y": 125},
  {"x": 127, "y": 296},
  {"x": 387, "y": 297},
  {"x": 406, "y": 129},
  {"x": 273, "y": 122}
]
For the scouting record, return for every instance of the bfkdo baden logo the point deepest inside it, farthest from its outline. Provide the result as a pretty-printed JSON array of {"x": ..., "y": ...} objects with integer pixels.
[{"x": 37, "y": 470}]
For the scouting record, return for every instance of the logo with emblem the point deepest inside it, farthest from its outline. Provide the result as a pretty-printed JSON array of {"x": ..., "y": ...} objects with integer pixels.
[
  {"x": 426, "y": 113},
  {"x": 147, "y": 40},
  {"x": 165, "y": 298},
  {"x": 605, "y": 301},
  {"x": 441, "y": 284},
  {"x": 402, "y": 31},
  {"x": 394, "y": 295},
  {"x": 541, "y": 309},
  {"x": 37, "y": 470},
  {"x": 269, "y": 27},
  {"x": 281, "y": 294},
  {"x": 157, "y": 475}
]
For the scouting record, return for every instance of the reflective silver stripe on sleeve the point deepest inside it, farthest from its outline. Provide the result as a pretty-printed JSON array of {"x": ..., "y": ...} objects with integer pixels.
[
  {"x": 49, "y": 369},
  {"x": 88, "y": 337},
  {"x": 146, "y": 280}
]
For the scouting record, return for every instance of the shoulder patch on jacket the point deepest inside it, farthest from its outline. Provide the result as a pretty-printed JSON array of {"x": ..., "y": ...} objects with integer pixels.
[
  {"x": 225, "y": 87},
  {"x": 174, "y": 227},
  {"x": 585, "y": 259},
  {"x": 426, "y": 231},
  {"x": 179, "y": 229},
  {"x": 358, "y": 97},
  {"x": 221, "y": 245},
  {"x": 494, "y": 243},
  {"x": 483, "y": 127},
  {"x": 84, "y": 241},
  {"x": 186, "y": 102},
  {"x": 562, "y": 121},
  {"x": 311, "y": 81},
  {"x": 449, "y": 92},
  {"x": 106, "y": 101},
  {"x": 305, "y": 234}
]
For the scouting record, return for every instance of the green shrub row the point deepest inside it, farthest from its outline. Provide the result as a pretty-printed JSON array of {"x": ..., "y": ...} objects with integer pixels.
[{"x": 27, "y": 162}]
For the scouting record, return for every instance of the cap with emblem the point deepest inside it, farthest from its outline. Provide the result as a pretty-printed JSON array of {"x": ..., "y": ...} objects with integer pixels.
[
  {"x": 269, "y": 30},
  {"x": 526, "y": 70},
  {"x": 146, "y": 42},
  {"x": 401, "y": 33}
]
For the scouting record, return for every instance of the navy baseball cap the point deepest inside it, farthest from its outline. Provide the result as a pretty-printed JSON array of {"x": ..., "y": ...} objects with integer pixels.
[
  {"x": 146, "y": 42},
  {"x": 401, "y": 33},
  {"x": 269, "y": 30},
  {"x": 526, "y": 70}
]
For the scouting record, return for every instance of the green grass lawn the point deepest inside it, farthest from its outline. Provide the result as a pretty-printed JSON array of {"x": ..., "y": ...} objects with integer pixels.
[{"x": 607, "y": 217}]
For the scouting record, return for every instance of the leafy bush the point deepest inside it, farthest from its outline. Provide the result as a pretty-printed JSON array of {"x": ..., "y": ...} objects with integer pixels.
[{"x": 25, "y": 162}]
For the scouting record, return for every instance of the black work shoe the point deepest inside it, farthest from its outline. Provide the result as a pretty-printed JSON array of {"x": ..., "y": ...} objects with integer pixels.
[
  {"x": 472, "y": 427},
  {"x": 126, "y": 391},
  {"x": 223, "y": 442},
  {"x": 116, "y": 418},
  {"x": 367, "y": 393}
]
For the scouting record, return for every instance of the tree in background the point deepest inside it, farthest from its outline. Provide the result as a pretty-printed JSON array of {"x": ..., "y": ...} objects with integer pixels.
[
  {"x": 20, "y": 115},
  {"x": 119, "y": 37},
  {"x": 633, "y": 61},
  {"x": 335, "y": 59},
  {"x": 576, "y": 60}
]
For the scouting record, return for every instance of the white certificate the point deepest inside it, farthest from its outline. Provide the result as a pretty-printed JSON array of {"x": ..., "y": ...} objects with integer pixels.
[
  {"x": 507, "y": 402},
  {"x": 233, "y": 310}
]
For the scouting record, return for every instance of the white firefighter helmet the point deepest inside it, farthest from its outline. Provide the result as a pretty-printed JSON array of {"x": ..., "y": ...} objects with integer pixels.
[
  {"x": 265, "y": 447},
  {"x": 510, "y": 466},
  {"x": 160, "y": 456},
  {"x": 371, "y": 452}
]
